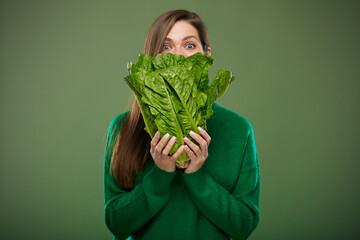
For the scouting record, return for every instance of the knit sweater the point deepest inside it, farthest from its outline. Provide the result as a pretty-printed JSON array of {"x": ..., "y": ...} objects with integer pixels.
[{"x": 218, "y": 201}]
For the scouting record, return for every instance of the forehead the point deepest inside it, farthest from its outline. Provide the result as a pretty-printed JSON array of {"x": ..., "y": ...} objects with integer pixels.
[{"x": 182, "y": 29}]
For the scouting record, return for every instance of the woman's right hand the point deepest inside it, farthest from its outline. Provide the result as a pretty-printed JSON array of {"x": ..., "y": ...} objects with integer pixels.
[{"x": 161, "y": 155}]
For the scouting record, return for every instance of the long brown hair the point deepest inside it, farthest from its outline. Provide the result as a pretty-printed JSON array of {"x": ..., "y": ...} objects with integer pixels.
[{"x": 132, "y": 146}]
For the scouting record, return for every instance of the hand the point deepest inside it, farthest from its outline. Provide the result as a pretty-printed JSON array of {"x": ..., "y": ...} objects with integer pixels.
[
  {"x": 161, "y": 155},
  {"x": 197, "y": 154}
]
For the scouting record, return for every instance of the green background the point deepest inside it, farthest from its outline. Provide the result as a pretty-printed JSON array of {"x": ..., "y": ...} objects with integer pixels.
[{"x": 62, "y": 65}]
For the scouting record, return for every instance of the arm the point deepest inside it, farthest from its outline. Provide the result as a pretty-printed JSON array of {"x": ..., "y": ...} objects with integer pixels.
[
  {"x": 127, "y": 211},
  {"x": 236, "y": 212}
]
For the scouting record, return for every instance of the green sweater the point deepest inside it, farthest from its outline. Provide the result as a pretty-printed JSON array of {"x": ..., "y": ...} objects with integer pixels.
[{"x": 219, "y": 201}]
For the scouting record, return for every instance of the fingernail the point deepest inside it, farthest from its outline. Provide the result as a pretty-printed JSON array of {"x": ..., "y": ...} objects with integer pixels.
[
  {"x": 173, "y": 138},
  {"x": 182, "y": 147},
  {"x": 191, "y": 132},
  {"x": 200, "y": 128},
  {"x": 158, "y": 133},
  {"x": 186, "y": 138},
  {"x": 167, "y": 135}
]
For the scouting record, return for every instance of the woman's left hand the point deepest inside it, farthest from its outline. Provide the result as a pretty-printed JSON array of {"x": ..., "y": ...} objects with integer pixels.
[{"x": 197, "y": 154}]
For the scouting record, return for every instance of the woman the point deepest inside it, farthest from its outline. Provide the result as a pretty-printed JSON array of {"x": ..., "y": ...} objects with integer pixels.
[{"x": 147, "y": 197}]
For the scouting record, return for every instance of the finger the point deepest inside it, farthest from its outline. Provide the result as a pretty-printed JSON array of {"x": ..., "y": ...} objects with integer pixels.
[
  {"x": 195, "y": 148},
  {"x": 160, "y": 146},
  {"x": 190, "y": 153},
  {"x": 200, "y": 140},
  {"x": 178, "y": 152},
  {"x": 205, "y": 135},
  {"x": 155, "y": 139},
  {"x": 169, "y": 146}
]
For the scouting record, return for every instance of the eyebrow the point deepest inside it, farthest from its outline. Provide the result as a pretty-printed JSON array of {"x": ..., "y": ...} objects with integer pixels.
[{"x": 185, "y": 38}]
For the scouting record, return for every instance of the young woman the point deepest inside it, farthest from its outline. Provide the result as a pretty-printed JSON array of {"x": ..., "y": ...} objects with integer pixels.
[{"x": 215, "y": 197}]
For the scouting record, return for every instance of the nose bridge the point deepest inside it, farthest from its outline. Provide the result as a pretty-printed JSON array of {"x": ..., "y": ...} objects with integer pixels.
[{"x": 179, "y": 51}]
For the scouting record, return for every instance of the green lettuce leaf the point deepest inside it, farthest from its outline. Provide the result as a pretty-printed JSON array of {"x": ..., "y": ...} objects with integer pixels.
[{"x": 174, "y": 95}]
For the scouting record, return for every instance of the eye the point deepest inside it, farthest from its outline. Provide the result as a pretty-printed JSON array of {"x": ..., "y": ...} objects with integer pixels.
[
  {"x": 190, "y": 46},
  {"x": 166, "y": 47}
]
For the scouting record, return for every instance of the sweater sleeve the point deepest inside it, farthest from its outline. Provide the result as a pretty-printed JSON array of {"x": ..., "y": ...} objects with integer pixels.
[
  {"x": 237, "y": 212},
  {"x": 127, "y": 211}
]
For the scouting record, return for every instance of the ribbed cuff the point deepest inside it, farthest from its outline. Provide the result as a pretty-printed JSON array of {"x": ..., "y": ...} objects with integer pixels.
[
  {"x": 199, "y": 181},
  {"x": 158, "y": 181}
]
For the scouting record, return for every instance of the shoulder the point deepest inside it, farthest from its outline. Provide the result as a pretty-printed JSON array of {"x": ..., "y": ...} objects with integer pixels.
[
  {"x": 113, "y": 129},
  {"x": 118, "y": 120},
  {"x": 229, "y": 120},
  {"x": 116, "y": 124}
]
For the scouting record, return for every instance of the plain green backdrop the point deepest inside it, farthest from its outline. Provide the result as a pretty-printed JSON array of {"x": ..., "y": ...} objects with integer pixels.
[{"x": 62, "y": 65}]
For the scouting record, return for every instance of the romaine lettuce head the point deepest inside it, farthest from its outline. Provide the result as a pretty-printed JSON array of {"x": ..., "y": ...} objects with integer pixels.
[{"x": 174, "y": 94}]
